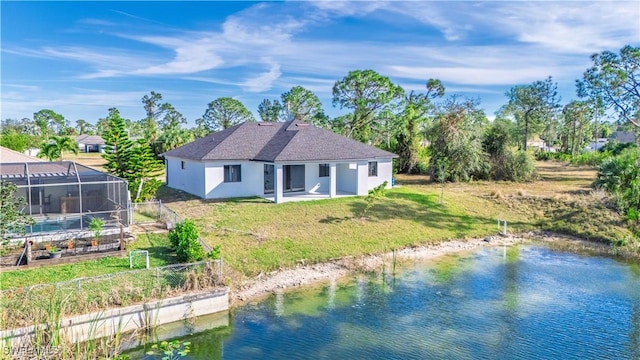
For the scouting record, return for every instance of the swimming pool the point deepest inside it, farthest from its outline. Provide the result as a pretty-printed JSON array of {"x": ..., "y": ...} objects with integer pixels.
[{"x": 49, "y": 225}]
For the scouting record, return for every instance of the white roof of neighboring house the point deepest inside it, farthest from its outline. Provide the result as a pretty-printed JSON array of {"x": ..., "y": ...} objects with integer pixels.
[{"x": 12, "y": 156}]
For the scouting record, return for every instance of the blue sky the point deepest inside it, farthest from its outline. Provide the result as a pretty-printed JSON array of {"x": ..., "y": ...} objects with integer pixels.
[{"x": 81, "y": 58}]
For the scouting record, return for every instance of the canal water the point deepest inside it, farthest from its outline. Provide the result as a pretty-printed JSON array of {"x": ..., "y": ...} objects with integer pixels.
[{"x": 521, "y": 302}]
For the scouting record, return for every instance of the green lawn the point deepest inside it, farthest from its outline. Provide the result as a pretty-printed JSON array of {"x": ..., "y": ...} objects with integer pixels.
[{"x": 268, "y": 236}]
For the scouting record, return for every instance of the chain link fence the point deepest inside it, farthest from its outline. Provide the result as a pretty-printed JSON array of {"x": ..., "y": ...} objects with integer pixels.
[
  {"x": 157, "y": 212},
  {"x": 35, "y": 304}
]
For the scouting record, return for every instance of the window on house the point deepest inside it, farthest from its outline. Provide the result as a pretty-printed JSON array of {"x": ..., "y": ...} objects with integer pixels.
[
  {"x": 232, "y": 173},
  {"x": 373, "y": 168},
  {"x": 183, "y": 165},
  {"x": 323, "y": 170}
]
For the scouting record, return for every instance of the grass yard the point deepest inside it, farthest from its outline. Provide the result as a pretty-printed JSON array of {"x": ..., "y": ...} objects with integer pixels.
[
  {"x": 92, "y": 160},
  {"x": 257, "y": 236}
]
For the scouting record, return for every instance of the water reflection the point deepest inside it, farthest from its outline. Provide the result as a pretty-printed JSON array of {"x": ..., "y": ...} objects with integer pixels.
[{"x": 518, "y": 302}]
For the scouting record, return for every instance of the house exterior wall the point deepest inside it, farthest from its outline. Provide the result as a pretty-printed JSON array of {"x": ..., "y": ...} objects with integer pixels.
[
  {"x": 363, "y": 178},
  {"x": 85, "y": 148},
  {"x": 251, "y": 180},
  {"x": 385, "y": 172},
  {"x": 190, "y": 179},
  {"x": 346, "y": 177},
  {"x": 313, "y": 182},
  {"x": 206, "y": 179}
]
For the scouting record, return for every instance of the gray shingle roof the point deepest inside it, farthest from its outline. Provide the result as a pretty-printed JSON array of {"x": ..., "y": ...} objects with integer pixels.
[
  {"x": 90, "y": 139},
  {"x": 290, "y": 141}
]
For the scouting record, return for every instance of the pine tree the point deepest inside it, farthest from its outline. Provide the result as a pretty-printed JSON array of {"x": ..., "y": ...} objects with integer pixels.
[
  {"x": 118, "y": 146},
  {"x": 142, "y": 162}
]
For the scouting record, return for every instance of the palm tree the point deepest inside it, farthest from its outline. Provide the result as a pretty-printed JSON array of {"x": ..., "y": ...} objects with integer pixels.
[{"x": 56, "y": 146}]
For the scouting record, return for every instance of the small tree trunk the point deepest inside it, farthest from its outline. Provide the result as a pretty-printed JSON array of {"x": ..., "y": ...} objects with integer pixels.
[{"x": 526, "y": 130}]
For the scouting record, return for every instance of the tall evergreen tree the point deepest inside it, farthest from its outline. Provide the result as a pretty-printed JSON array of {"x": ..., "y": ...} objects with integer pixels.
[
  {"x": 118, "y": 146},
  {"x": 142, "y": 163},
  {"x": 614, "y": 80},
  {"x": 533, "y": 106},
  {"x": 132, "y": 161},
  {"x": 223, "y": 113},
  {"x": 368, "y": 94},
  {"x": 302, "y": 104},
  {"x": 50, "y": 123},
  {"x": 269, "y": 111}
]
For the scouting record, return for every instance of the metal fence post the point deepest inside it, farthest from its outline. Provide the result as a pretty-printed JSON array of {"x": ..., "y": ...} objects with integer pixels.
[
  {"x": 159, "y": 209},
  {"x": 220, "y": 270}
]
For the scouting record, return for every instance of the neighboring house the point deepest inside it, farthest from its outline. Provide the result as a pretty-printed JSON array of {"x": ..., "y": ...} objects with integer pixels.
[
  {"x": 90, "y": 143},
  {"x": 597, "y": 145},
  {"x": 623, "y": 137},
  {"x": 11, "y": 156},
  {"x": 278, "y": 161},
  {"x": 537, "y": 143}
]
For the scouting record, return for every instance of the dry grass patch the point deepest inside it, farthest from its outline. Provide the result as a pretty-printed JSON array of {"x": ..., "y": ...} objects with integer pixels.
[{"x": 92, "y": 160}]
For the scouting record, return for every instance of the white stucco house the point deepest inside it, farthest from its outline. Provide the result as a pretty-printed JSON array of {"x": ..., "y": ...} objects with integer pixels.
[
  {"x": 284, "y": 161},
  {"x": 90, "y": 143}
]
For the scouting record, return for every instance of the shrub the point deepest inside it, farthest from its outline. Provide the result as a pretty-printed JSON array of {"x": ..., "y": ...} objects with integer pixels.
[
  {"x": 513, "y": 166},
  {"x": 374, "y": 195},
  {"x": 615, "y": 148},
  {"x": 522, "y": 167},
  {"x": 620, "y": 177},
  {"x": 591, "y": 158},
  {"x": 549, "y": 155},
  {"x": 96, "y": 225},
  {"x": 423, "y": 161},
  {"x": 214, "y": 253},
  {"x": 184, "y": 239}
]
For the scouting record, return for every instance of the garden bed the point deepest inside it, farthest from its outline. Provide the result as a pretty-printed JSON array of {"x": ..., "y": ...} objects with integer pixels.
[{"x": 70, "y": 251}]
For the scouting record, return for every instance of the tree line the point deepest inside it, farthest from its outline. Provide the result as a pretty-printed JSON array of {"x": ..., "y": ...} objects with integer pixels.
[{"x": 447, "y": 136}]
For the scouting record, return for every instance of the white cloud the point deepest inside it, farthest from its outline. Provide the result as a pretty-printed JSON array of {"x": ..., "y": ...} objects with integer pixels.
[
  {"x": 264, "y": 81},
  {"x": 94, "y": 22},
  {"x": 70, "y": 104},
  {"x": 22, "y": 87},
  {"x": 472, "y": 76},
  {"x": 572, "y": 27}
]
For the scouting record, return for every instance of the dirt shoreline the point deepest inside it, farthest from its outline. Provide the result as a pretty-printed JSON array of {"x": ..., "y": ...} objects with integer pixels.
[{"x": 280, "y": 280}]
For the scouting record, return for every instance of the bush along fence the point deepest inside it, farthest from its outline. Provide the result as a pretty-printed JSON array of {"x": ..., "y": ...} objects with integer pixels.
[
  {"x": 43, "y": 303},
  {"x": 157, "y": 212}
]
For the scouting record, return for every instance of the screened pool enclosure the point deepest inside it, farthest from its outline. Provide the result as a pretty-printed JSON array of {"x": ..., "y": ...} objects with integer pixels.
[{"x": 64, "y": 196}]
